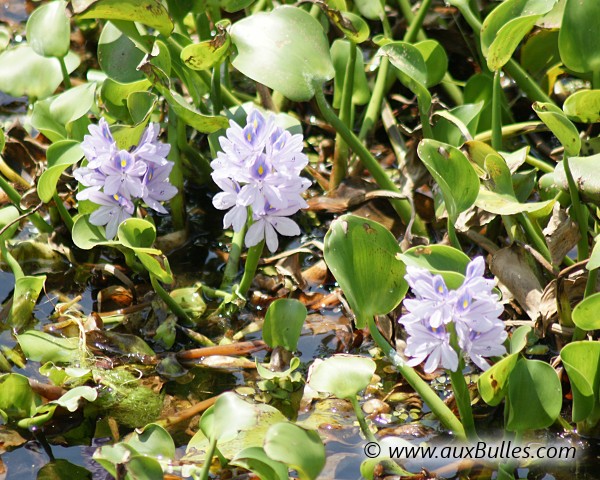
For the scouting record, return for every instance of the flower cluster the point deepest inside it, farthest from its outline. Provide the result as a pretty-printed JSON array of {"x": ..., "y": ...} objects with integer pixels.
[
  {"x": 115, "y": 178},
  {"x": 260, "y": 168},
  {"x": 472, "y": 312}
]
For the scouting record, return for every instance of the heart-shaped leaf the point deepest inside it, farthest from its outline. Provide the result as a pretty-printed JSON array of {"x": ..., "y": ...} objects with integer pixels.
[
  {"x": 582, "y": 363},
  {"x": 48, "y": 30},
  {"x": 578, "y": 43},
  {"x": 283, "y": 323},
  {"x": 492, "y": 383},
  {"x": 585, "y": 314},
  {"x": 267, "y": 54},
  {"x": 341, "y": 375},
  {"x": 362, "y": 255},
  {"x": 583, "y": 106}
]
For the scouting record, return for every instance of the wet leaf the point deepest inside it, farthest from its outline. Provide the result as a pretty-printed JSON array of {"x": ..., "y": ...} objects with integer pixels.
[
  {"x": 301, "y": 449},
  {"x": 139, "y": 235},
  {"x": 17, "y": 399},
  {"x": 232, "y": 415},
  {"x": 582, "y": 363},
  {"x": 8, "y": 215},
  {"x": 577, "y": 39},
  {"x": 455, "y": 126},
  {"x": 341, "y": 375},
  {"x": 492, "y": 383},
  {"x": 148, "y": 12},
  {"x": 505, "y": 27},
  {"x": 42, "y": 347},
  {"x": 362, "y": 255},
  {"x": 453, "y": 173},
  {"x": 583, "y": 106},
  {"x": 283, "y": 323},
  {"x": 267, "y": 54},
  {"x": 153, "y": 441},
  {"x": 87, "y": 236},
  {"x": 70, "y": 400},
  {"x": 61, "y": 469},
  {"x": 25, "y": 296},
  {"x": 256, "y": 460},
  {"x": 109, "y": 456},
  {"x": 535, "y": 396}
]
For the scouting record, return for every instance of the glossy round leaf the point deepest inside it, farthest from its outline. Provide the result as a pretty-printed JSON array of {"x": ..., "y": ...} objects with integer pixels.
[
  {"x": 8, "y": 215},
  {"x": 285, "y": 49},
  {"x": 283, "y": 323},
  {"x": 60, "y": 156},
  {"x": 43, "y": 347},
  {"x": 583, "y": 106},
  {"x": 118, "y": 56},
  {"x": 436, "y": 60},
  {"x": 582, "y": 363},
  {"x": 578, "y": 39},
  {"x": 24, "y": 72},
  {"x": 362, "y": 255},
  {"x": 351, "y": 25},
  {"x": 453, "y": 173},
  {"x": 153, "y": 441},
  {"x": 71, "y": 399},
  {"x": 17, "y": 399},
  {"x": 49, "y": 30},
  {"x": 87, "y": 236},
  {"x": 586, "y": 313},
  {"x": 257, "y": 461},
  {"x": 232, "y": 415},
  {"x": 535, "y": 396},
  {"x": 140, "y": 467},
  {"x": 371, "y": 9},
  {"x": 492, "y": 383},
  {"x": 114, "y": 96},
  {"x": 562, "y": 128},
  {"x": 74, "y": 103},
  {"x": 585, "y": 175},
  {"x": 148, "y": 12},
  {"x": 505, "y": 27},
  {"x": 301, "y": 449},
  {"x": 344, "y": 376}
]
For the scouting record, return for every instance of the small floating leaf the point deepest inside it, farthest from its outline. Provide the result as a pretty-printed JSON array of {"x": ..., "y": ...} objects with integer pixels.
[
  {"x": 341, "y": 375},
  {"x": 283, "y": 323}
]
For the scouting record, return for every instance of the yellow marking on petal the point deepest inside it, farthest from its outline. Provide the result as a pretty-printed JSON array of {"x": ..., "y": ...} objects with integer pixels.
[
  {"x": 123, "y": 163},
  {"x": 441, "y": 289},
  {"x": 249, "y": 137},
  {"x": 465, "y": 303},
  {"x": 261, "y": 170},
  {"x": 255, "y": 124},
  {"x": 116, "y": 197}
]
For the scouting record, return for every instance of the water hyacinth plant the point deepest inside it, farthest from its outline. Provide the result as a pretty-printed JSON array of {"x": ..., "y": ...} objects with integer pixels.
[{"x": 115, "y": 178}]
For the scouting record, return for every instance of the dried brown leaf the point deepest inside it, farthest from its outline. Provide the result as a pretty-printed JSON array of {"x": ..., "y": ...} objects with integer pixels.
[{"x": 561, "y": 234}]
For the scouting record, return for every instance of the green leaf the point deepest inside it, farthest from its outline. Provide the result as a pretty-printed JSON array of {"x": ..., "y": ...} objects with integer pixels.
[
  {"x": 24, "y": 72},
  {"x": 148, "y": 12},
  {"x": 578, "y": 41},
  {"x": 87, "y": 236},
  {"x": 518, "y": 340},
  {"x": 283, "y": 323},
  {"x": 109, "y": 456},
  {"x": 8, "y": 215},
  {"x": 582, "y": 361},
  {"x": 562, "y": 128},
  {"x": 593, "y": 262},
  {"x": 447, "y": 261},
  {"x": 340, "y": 52},
  {"x": 232, "y": 415},
  {"x": 43, "y": 347},
  {"x": 505, "y": 27},
  {"x": 25, "y": 295},
  {"x": 60, "y": 156},
  {"x": 17, "y": 399},
  {"x": 139, "y": 235},
  {"x": 74, "y": 103},
  {"x": 70, "y": 400},
  {"x": 436, "y": 60},
  {"x": 371, "y": 9},
  {"x": 506, "y": 205},
  {"x": 585, "y": 314},
  {"x": 153, "y": 441},
  {"x": 492, "y": 383},
  {"x": 44, "y": 121},
  {"x": 585, "y": 175},
  {"x": 206, "y": 54},
  {"x": 351, "y": 25},
  {"x": 256, "y": 460},
  {"x": 144, "y": 468},
  {"x": 344, "y": 376},
  {"x": 457, "y": 124},
  {"x": 49, "y": 31},
  {"x": 267, "y": 54},
  {"x": 118, "y": 56},
  {"x": 410, "y": 68},
  {"x": 453, "y": 173},
  {"x": 583, "y": 106},
  {"x": 61, "y": 469},
  {"x": 362, "y": 255},
  {"x": 301, "y": 449},
  {"x": 534, "y": 394},
  {"x": 114, "y": 96}
]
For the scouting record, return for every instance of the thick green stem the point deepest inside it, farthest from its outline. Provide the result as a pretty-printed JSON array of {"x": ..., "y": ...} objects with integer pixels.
[
  {"x": 534, "y": 235},
  {"x": 374, "y": 106},
  {"x": 417, "y": 22},
  {"x": 233, "y": 262},
  {"x": 340, "y": 156},
  {"x": 210, "y": 453},
  {"x": 425, "y": 125},
  {"x": 169, "y": 300},
  {"x": 497, "y": 113},
  {"x": 401, "y": 206},
  {"x": 361, "y": 420},
  {"x": 590, "y": 288},
  {"x": 215, "y": 90},
  {"x": 436, "y": 404},
  {"x": 175, "y": 130},
  {"x": 252, "y": 259},
  {"x": 539, "y": 164},
  {"x": 15, "y": 198},
  {"x": 579, "y": 213},
  {"x": 452, "y": 234},
  {"x": 64, "y": 214},
  {"x": 463, "y": 402},
  {"x": 65, "y": 73}
]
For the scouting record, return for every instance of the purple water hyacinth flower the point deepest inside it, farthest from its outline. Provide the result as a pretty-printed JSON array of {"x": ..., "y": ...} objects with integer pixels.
[
  {"x": 430, "y": 345},
  {"x": 259, "y": 172},
  {"x": 115, "y": 178},
  {"x": 156, "y": 186},
  {"x": 112, "y": 211},
  {"x": 99, "y": 146},
  {"x": 473, "y": 310}
]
